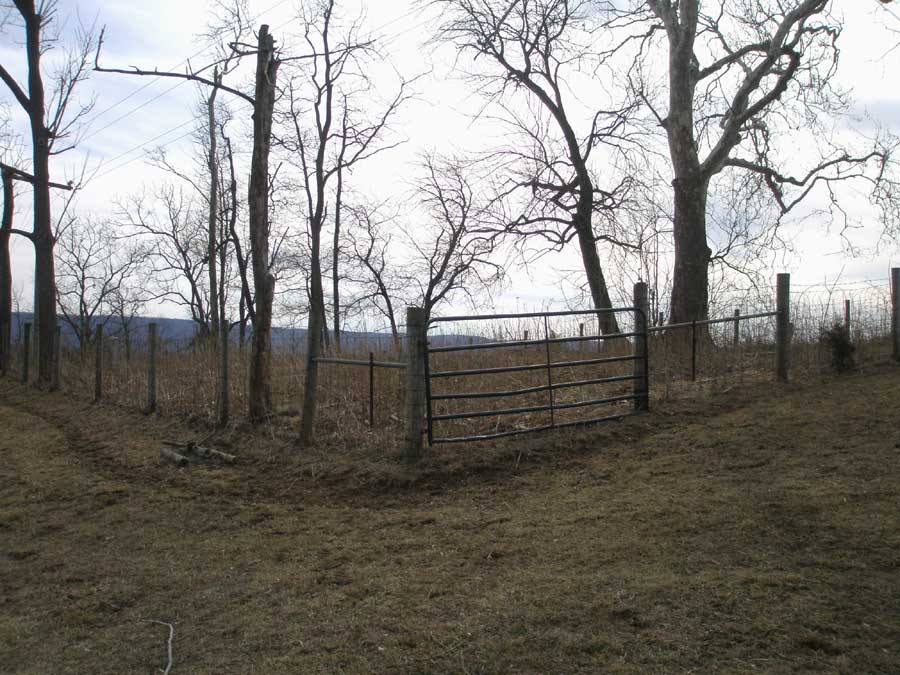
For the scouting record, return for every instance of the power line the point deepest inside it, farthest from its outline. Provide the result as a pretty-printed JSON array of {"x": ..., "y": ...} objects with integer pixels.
[
  {"x": 144, "y": 145},
  {"x": 387, "y": 40},
  {"x": 184, "y": 61}
]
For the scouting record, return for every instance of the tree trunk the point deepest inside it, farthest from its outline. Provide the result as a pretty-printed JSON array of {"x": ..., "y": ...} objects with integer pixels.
[
  {"x": 45, "y": 276},
  {"x": 313, "y": 342},
  {"x": 335, "y": 262},
  {"x": 213, "y": 213},
  {"x": 6, "y": 273},
  {"x": 606, "y": 321},
  {"x": 690, "y": 276},
  {"x": 260, "y": 386}
]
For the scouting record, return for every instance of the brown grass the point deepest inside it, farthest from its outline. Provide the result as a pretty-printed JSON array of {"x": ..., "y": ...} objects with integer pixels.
[{"x": 754, "y": 532}]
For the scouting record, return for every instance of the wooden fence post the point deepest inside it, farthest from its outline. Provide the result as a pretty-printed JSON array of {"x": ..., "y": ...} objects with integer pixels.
[
  {"x": 371, "y": 390},
  {"x": 694, "y": 350},
  {"x": 415, "y": 381},
  {"x": 151, "y": 368},
  {"x": 54, "y": 376},
  {"x": 895, "y": 312},
  {"x": 26, "y": 351},
  {"x": 783, "y": 327},
  {"x": 98, "y": 364},
  {"x": 736, "y": 339},
  {"x": 222, "y": 408},
  {"x": 847, "y": 317},
  {"x": 641, "y": 366}
]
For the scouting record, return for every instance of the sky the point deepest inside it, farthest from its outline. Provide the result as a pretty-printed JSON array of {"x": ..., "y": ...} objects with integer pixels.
[{"x": 134, "y": 115}]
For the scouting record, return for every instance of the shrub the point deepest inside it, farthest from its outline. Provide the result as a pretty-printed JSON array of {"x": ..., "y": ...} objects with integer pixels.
[{"x": 837, "y": 340}]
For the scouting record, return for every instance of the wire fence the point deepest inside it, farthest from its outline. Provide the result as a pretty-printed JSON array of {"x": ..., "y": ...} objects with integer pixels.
[{"x": 362, "y": 386}]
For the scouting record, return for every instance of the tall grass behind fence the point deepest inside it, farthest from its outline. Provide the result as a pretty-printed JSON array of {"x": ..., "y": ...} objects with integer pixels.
[{"x": 681, "y": 360}]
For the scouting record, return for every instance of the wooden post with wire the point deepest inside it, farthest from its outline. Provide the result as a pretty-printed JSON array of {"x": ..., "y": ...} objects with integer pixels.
[
  {"x": 26, "y": 351},
  {"x": 416, "y": 327},
  {"x": 783, "y": 327},
  {"x": 641, "y": 367},
  {"x": 151, "y": 368},
  {"x": 222, "y": 402},
  {"x": 847, "y": 316},
  {"x": 371, "y": 390},
  {"x": 736, "y": 338},
  {"x": 98, "y": 364}
]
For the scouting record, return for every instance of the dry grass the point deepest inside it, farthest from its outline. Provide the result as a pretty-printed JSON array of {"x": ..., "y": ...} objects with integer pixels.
[
  {"x": 727, "y": 534},
  {"x": 718, "y": 362}
]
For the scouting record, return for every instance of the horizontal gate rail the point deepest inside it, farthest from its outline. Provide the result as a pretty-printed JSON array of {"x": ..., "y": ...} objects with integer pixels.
[
  {"x": 532, "y": 366},
  {"x": 532, "y": 390},
  {"x": 639, "y": 375},
  {"x": 526, "y": 343},
  {"x": 709, "y": 322},
  {"x": 360, "y": 362},
  {"x": 526, "y": 315},
  {"x": 537, "y": 408}
]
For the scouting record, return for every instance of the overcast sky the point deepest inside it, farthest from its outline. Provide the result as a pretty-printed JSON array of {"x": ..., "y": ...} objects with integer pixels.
[{"x": 134, "y": 115}]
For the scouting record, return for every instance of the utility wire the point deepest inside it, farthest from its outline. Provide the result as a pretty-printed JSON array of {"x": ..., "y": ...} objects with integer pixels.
[
  {"x": 152, "y": 80},
  {"x": 387, "y": 40}
]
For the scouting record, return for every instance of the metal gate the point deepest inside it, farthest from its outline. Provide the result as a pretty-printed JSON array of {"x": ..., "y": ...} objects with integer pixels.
[{"x": 587, "y": 373}]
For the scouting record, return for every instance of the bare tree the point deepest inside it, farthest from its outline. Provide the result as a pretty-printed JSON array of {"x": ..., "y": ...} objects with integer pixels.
[
  {"x": 173, "y": 231},
  {"x": 534, "y": 45},
  {"x": 329, "y": 129},
  {"x": 743, "y": 78},
  {"x": 125, "y": 304},
  {"x": 93, "y": 267},
  {"x": 376, "y": 280},
  {"x": 53, "y": 126},
  {"x": 263, "y": 102},
  {"x": 6, "y": 269},
  {"x": 455, "y": 255}
]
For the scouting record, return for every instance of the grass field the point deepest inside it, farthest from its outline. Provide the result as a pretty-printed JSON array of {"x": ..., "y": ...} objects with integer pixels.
[{"x": 757, "y": 531}]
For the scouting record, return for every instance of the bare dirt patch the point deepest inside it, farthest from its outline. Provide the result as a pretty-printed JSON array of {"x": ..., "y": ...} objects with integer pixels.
[{"x": 758, "y": 531}]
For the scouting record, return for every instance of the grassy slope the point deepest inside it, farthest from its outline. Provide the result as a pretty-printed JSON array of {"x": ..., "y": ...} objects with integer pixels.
[{"x": 762, "y": 535}]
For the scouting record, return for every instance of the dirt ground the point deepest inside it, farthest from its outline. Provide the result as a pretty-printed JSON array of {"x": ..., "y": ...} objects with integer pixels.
[{"x": 753, "y": 531}]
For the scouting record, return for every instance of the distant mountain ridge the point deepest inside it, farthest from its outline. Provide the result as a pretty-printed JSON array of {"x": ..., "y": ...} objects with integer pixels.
[{"x": 174, "y": 332}]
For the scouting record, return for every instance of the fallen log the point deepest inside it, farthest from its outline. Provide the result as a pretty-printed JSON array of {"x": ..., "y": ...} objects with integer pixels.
[
  {"x": 197, "y": 450},
  {"x": 171, "y": 456}
]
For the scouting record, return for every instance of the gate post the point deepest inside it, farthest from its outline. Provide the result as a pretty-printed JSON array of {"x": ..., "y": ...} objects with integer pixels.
[
  {"x": 416, "y": 326},
  {"x": 783, "y": 327},
  {"x": 641, "y": 351}
]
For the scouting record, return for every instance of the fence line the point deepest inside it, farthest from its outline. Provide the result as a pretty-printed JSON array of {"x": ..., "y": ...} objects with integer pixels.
[{"x": 180, "y": 376}]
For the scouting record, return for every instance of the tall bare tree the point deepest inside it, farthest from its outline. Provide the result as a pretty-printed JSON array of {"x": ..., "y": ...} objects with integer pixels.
[
  {"x": 456, "y": 253},
  {"x": 329, "y": 128},
  {"x": 263, "y": 102},
  {"x": 534, "y": 46},
  {"x": 742, "y": 79},
  {"x": 373, "y": 271},
  {"x": 93, "y": 267},
  {"x": 53, "y": 126},
  {"x": 172, "y": 229}
]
